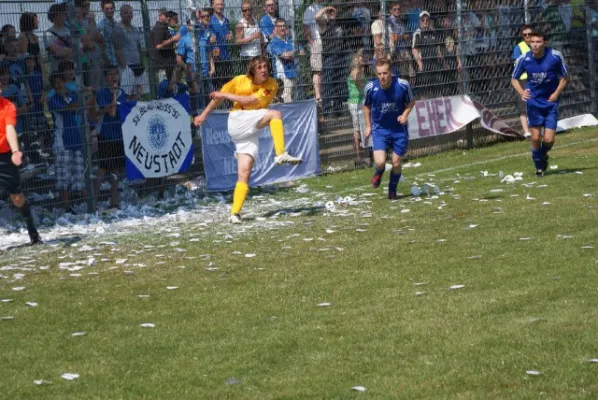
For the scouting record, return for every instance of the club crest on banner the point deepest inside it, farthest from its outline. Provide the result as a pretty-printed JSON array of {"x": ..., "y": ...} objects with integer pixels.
[{"x": 157, "y": 137}]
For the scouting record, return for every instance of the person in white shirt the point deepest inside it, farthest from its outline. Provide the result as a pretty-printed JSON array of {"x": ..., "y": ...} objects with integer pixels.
[
  {"x": 311, "y": 31},
  {"x": 249, "y": 35}
]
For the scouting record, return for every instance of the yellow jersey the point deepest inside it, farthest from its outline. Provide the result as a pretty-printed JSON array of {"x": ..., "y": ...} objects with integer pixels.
[{"x": 242, "y": 85}]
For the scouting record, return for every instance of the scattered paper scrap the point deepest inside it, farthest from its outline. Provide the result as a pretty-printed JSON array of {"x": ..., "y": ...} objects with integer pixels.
[
  {"x": 324, "y": 305},
  {"x": 359, "y": 388},
  {"x": 250, "y": 255},
  {"x": 172, "y": 287},
  {"x": 554, "y": 167},
  {"x": 454, "y": 287},
  {"x": 18, "y": 288},
  {"x": 69, "y": 376},
  {"x": 533, "y": 372},
  {"x": 40, "y": 382},
  {"x": 78, "y": 334},
  {"x": 147, "y": 325},
  {"x": 31, "y": 303}
]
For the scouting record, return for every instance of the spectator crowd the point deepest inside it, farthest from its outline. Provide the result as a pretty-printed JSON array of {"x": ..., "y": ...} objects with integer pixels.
[{"x": 326, "y": 53}]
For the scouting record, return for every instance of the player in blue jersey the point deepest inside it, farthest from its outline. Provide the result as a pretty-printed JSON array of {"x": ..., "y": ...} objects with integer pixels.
[
  {"x": 388, "y": 101},
  {"x": 546, "y": 79}
]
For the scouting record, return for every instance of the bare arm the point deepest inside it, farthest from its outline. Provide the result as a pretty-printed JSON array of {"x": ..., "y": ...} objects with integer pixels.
[
  {"x": 243, "y": 100},
  {"x": 200, "y": 119},
  {"x": 367, "y": 116},
  {"x": 405, "y": 116},
  {"x": 555, "y": 96},
  {"x": 12, "y": 138},
  {"x": 516, "y": 83}
]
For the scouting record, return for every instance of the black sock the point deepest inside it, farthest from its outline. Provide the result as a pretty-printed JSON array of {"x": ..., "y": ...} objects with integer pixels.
[{"x": 26, "y": 211}]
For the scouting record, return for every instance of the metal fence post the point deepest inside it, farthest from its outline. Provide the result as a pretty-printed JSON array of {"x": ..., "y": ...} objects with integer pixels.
[
  {"x": 591, "y": 64},
  {"x": 464, "y": 74},
  {"x": 151, "y": 73},
  {"x": 384, "y": 25},
  {"x": 526, "y": 16},
  {"x": 84, "y": 131}
]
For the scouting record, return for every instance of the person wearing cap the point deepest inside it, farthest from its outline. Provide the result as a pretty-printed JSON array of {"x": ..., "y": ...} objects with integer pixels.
[{"x": 425, "y": 49}]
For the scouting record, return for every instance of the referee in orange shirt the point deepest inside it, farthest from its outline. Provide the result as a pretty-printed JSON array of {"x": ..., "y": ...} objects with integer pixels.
[{"x": 10, "y": 159}]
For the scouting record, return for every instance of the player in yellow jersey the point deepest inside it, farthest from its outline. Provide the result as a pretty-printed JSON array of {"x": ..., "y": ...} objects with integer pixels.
[{"x": 251, "y": 95}]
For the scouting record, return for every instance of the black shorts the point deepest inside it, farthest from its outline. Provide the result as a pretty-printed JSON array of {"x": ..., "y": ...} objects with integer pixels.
[
  {"x": 111, "y": 154},
  {"x": 10, "y": 177}
]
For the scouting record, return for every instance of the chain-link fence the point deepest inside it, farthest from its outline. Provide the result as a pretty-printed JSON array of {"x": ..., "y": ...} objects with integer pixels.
[{"x": 67, "y": 66}]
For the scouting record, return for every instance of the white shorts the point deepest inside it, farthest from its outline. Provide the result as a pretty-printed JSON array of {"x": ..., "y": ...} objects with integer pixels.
[{"x": 242, "y": 128}]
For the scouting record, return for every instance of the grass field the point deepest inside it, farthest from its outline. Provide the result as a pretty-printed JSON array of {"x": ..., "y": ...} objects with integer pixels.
[{"x": 247, "y": 320}]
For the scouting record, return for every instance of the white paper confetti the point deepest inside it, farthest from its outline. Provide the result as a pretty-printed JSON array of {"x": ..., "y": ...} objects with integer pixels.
[
  {"x": 250, "y": 255},
  {"x": 172, "y": 287},
  {"x": 120, "y": 261},
  {"x": 592, "y": 360},
  {"x": 147, "y": 325},
  {"x": 554, "y": 167},
  {"x": 359, "y": 388},
  {"x": 323, "y": 304},
  {"x": 40, "y": 382},
  {"x": 69, "y": 376},
  {"x": 7, "y": 318},
  {"x": 533, "y": 372},
  {"x": 578, "y": 173},
  {"x": 31, "y": 303},
  {"x": 454, "y": 287},
  {"x": 18, "y": 288},
  {"x": 78, "y": 334}
]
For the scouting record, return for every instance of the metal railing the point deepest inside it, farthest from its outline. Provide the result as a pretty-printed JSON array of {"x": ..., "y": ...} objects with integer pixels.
[{"x": 468, "y": 50}]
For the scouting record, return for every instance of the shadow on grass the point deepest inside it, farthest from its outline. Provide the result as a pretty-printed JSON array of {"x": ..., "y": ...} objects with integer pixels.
[
  {"x": 566, "y": 171},
  {"x": 305, "y": 211}
]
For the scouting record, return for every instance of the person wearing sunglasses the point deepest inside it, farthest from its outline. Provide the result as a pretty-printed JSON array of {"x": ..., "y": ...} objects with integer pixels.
[
  {"x": 523, "y": 48},
  {"x": 248, "y": 35}
]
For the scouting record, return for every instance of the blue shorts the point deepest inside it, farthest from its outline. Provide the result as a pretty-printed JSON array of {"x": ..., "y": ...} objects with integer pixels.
[
  {"x": 397, "y": 141},
  {"x": 546, "y": 117}
]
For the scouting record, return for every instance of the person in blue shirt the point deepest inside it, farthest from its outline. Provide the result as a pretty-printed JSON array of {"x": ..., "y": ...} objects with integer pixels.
[
  {"x": 388, "y": 101},
  {"x": 185, "y": 56},
  {"x": 111, "y": 152},
  {"x": 67, "y": 143},
  {"x": 546, "y": 79},
  {"x": 207, "y": 69},
  {"x": 220, "y": 27},
  {"x": 268, "y": 20},
  {"x": 166, "y": 89},
  {"x": 283, "y": 52}
]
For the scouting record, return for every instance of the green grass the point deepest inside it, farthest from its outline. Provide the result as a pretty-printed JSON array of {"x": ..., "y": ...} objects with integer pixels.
[{"x": 526, "y": 305}]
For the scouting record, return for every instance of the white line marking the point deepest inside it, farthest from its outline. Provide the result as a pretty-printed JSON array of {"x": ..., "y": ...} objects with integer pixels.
[{"x": 473, "y": 164}]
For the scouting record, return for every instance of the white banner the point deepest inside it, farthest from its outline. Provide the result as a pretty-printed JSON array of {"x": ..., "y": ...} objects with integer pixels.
[
  {"x": 157, "y": 137},
  {"x": 449, "y": 114}
]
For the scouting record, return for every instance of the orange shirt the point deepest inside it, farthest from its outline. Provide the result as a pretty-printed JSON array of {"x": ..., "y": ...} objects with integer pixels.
[
  {"x": 8, "y": 116},
  {"x": 242, "y": 85}
]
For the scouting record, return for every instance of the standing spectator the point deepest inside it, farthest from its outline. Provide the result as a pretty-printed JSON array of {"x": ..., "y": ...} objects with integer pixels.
[
  {"x": 311, "y": 32},
  {"x": 14, "y": 94},
  {"x": 111, "y": 153},
  {"x": 220, "y": 27},
  {"x": 207, "y": 68},
  {"x": 450, "y": 62},
  {"x": 412, "y": 8},
  {"x": 15, "y": 64},
  {"x": 400, "y": 41},
  {"x": 355, "y": 84},
  {"x": 282, "y": 50},
  {"x": 332, "y": 60},
  {"x": 57, "y": 39},
  {"x": 426, "y": 51},
  {"x": 378, "y": 31},
  {"x": 520, "y": 49},
  {"x": 162, "y": 44},
  {"x": 185, "y": 58},
  {"x": 28, "y": 43},
  {"x": 249, "y": 36},
  {"x": 37, "y": 125},
  {"x": 268, "y": 20},
  {"x": 364, "y": 18},
  {"x": 7, "y": 32},
  {"x": 112, "y": 54},
  {"x": 91, "y": 44},
  {"x": 67, "y": 142},
  {"x": 130, "y": 37}
]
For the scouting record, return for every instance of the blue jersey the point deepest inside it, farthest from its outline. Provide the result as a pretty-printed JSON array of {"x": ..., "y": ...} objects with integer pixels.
[
  {"x": 66, "y": 122},
  {"x": 267, "y": 26},
  {"x": 282, "y": 68},
  {"x": 164, "y": 91},
  {"x": 111, "y": 128},
  {"x": 221, "y": 29},
  {"x": 387, "y": 105},
  {"x": 543, "y": 75},
  {"x": 203, "y": 42},
  {"x": 184, "y": 47}
]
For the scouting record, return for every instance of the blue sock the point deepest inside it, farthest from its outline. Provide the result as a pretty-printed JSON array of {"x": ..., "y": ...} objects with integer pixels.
[
  {"x": 379, "y": 171},
  {"x": 538, "y": 157},
  {"x": 394, "y": 181},
  {"x": 545, "y": 148}
]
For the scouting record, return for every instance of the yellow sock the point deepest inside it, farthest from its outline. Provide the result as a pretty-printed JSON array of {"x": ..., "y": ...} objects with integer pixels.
[
  {"x": 277, "y": 135},
  {"x": 239, "y": 196}
]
